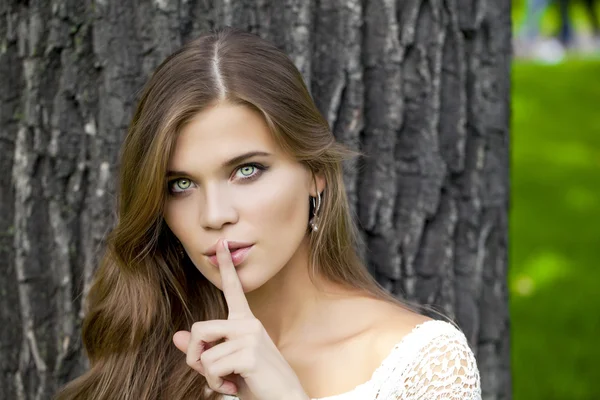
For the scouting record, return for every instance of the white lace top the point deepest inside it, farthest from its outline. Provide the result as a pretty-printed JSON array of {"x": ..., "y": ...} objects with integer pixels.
[{"x": 434, "y": 361}]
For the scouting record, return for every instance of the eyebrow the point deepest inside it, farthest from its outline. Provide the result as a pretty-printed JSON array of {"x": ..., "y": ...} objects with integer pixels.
[{"x": 229, "y": 163}]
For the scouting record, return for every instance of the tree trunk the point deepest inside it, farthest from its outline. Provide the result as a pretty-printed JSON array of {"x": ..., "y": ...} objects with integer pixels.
[{"x": 421, "y": 87}]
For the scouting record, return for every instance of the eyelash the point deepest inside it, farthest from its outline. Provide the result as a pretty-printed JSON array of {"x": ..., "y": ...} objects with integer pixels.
[{"x": 260, "y": 169}]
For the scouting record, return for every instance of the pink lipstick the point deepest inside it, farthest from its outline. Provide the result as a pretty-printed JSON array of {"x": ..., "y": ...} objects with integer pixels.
[{"x": 239, "y": 252}]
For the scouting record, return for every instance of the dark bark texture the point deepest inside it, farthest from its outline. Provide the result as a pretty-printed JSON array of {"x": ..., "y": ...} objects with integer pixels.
[{"x": 421, "y": 87}]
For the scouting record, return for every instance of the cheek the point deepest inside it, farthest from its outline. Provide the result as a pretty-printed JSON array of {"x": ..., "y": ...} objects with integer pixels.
[
  {"x": 179, "y": 217},
  {"x": 284, "y": 205}
]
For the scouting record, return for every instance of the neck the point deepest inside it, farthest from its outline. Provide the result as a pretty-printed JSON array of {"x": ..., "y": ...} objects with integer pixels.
[{"x": 290, "y": 305}]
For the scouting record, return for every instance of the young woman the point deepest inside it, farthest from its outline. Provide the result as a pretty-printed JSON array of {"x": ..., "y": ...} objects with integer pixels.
[{"x": 232, "y": 269}]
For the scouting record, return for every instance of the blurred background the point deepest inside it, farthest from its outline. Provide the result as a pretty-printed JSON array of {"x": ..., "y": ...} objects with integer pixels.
[{"x": 555, "y": 204}]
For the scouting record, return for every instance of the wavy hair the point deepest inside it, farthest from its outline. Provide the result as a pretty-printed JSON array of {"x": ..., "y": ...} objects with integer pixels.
[{"x": 143, "y": 291}]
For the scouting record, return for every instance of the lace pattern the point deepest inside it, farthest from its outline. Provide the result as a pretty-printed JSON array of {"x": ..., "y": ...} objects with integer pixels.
[
  {"x": 441, "y": 366},
  {"x": 432, "y": 362}
]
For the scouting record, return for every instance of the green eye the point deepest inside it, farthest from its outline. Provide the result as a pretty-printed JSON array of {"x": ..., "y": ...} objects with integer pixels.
[
  {"x": 180, "y": 186},
  {"x": 183, "y": 184},
  {"x": 247, "y": 170}
]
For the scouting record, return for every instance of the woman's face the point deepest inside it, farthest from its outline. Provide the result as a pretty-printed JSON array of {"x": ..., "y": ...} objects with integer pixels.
[{"x": 229, "y": 179}]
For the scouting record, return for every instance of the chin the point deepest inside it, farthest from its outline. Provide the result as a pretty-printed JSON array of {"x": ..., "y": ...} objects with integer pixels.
[{"x": 251, "y": 280}]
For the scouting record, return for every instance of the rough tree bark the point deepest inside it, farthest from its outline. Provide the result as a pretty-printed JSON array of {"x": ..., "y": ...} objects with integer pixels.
[{"x": 421, "y": 87}]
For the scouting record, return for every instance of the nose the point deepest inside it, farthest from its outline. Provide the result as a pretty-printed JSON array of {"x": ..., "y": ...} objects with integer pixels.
[{"x": 218, "y": 209}]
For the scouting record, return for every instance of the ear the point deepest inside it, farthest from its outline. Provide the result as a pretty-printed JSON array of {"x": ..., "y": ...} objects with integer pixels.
[{"x": 317, "y": 183}]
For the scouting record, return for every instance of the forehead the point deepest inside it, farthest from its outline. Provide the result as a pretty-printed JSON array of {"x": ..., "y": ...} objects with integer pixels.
[{"x": 220, "y": 133}]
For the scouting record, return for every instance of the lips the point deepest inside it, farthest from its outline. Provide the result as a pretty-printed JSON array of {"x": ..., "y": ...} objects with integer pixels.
[{"x": 239, "y": 252}]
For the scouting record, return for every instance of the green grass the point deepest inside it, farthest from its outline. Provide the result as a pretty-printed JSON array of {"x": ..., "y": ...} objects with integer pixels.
[{"x": 555, "y": 231}]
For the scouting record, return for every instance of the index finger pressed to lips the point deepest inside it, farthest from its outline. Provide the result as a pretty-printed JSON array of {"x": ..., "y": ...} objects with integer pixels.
[{"x": 232, "y": 287}]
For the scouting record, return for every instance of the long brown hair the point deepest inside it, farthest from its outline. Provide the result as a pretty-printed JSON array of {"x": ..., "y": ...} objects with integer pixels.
[{"x": 144, "y": 291}]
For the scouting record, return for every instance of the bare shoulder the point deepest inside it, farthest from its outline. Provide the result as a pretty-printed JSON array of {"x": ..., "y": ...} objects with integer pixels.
[
  {"x": 355, "y": 334},
  {"x": 378, "y": 320},
  {"x": 390, "y": 324}
]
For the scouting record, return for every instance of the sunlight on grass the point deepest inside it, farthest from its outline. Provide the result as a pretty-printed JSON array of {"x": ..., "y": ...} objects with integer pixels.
[{"x": 539, "y": 272}]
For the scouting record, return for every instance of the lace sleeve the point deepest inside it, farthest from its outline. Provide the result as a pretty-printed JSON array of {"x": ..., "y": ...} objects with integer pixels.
[{"x": 444, "y": 369}]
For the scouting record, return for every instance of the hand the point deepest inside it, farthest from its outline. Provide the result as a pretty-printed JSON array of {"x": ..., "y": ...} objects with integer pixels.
[{"x": 247, "y": 363}]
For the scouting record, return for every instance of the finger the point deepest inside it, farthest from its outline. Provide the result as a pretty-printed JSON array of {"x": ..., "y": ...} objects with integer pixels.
[
  {"x": 213, "y": 356},
  {"x": 218, "y": 351},
  {"x": 181, "y": 339},
  {"x": 232, "y": 287},
  {"x": 221, "y": 368},
  {"x": 205, "y": 335}
]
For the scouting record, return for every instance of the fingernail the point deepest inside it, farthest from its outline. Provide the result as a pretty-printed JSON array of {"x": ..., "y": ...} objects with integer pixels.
[{"x": 225, "y": 246}]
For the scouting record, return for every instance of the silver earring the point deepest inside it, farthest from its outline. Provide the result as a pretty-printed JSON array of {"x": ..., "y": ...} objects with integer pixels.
[{"x": 314, "y": 221}]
